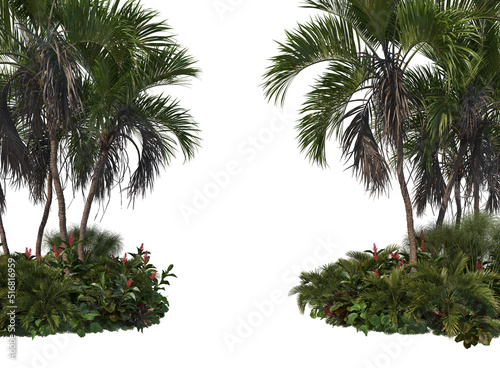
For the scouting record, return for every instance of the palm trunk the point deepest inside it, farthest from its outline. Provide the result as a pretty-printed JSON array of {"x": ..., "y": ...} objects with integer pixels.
[
  {"x": 58, "y": 190},
  {"x": 476, "y": 197},
  {"x": 407, "y": 200},
  {"x": 3, "y": 238},
  {"x": 90, "y": 198},
  {"x": 458, "y": 201},
  {"x": 45, "y": 216},
  {"x": 451, "y": 183}
]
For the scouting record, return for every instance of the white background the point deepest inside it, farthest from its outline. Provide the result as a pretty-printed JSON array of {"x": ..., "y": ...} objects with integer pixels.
[{"x": 261, "y": 215}]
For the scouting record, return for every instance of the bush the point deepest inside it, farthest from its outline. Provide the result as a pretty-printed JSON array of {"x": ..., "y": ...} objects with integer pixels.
[
  {"x": 105, "y": 293},
  {"x": 451, "y": 293},
  {"x": 98, "y": 242}
]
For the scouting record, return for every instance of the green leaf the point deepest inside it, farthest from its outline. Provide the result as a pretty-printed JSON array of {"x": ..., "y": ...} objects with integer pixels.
[
  {"x": 313, "y": 313},
  {"x": 37, "y": 322},
  {"x": 45, "y": 330},
  {"x": 351, "y": 318},
  {"x": 364, "y": 328},
  {"x": 73, "y": 323},
  {"x": 375, "y": 320},
  {"x": 385, "y": 319},
  {"x": 81, "y": 332},
  {"x": 83, "y": 308},
  {"x": 95, "y": 327},
  {"x": 91, "y": 315}
]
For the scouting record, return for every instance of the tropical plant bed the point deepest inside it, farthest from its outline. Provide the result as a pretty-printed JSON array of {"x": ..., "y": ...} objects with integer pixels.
[
  {"x": 57, "y": 293},
  {"x": 453, "y": 289}
]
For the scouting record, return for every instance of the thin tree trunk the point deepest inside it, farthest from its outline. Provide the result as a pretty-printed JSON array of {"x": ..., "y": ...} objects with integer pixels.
[
  {"x": 59, "y": 191},
  {"x": 476, "y": 197},
  {"x": 458, "y": 201},
  {"x": 3, "y": 238},
  {"x": 407, "y": 200},
  {"x": 451, "y": 183},
  {"x": 90, "y": 198},
  {"x": 45, "y": 216}
]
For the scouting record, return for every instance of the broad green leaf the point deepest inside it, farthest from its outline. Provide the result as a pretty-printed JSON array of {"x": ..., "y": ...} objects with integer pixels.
[
  {"x": 95, "y": 327},
  {"x": 385, "y": 319},
  {"x": 375, "y": 320},
  {"x": 73, "y": 323},
  {"x": 364, "y": 328},
  {"x": 351, "y": 318}
]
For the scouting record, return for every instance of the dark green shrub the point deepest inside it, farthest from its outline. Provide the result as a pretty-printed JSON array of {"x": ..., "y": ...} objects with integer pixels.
[
  {"x": 451, "y": 293},
  {"x": 104, "y": 293}
]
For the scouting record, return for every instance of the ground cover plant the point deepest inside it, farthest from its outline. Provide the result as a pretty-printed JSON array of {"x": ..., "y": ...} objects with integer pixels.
[
  {"x": 53, "y": 295},
  {"x": 453, "y": 291}
]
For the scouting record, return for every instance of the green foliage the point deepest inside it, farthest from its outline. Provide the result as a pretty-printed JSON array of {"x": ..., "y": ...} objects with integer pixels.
[
  {"x": 104, "y": 293},
  {"x": 98, "y": 242},
  {"x": 453, "y": 292}
]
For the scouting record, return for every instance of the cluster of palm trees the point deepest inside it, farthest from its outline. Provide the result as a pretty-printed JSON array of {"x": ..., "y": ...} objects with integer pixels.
[
  {"x": 410, "y": 87},
  {"x": 77, "y": 88}
]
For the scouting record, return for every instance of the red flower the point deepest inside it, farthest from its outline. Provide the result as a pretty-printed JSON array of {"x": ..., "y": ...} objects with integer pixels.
[
  {"x": 56, "y": 253},
  {"x": 422, "y": 246},
  {"x": 376, "y": 273},
  {"x": 153, "y": 276},
  {"x": 38, "y": 255},
  {"x": 129, "y": 282},
  {"x": 125, "y": 258},
  {"x": 146, "y": 257},
  {"x": 395, "y": 255},
  {"x": 71, "y": 240},
  {"x": 142, "y": 247},
  {"x": 375, "y": 256},
  {"x": 479, "y": 266},
  {"x": 401, "y": 262},
  {"x": 28, "y": 253}
]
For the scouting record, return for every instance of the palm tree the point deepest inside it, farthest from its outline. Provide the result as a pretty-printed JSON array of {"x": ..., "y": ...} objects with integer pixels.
[
  {"x": 119, "y": 108},
  {"x": 368, "y": 47},
  {"x": 111, "y": 55},
  {"x": 460, "y": 137},
  {"x": 41, "y": 82},
  {"x": 456, "y": 142}
]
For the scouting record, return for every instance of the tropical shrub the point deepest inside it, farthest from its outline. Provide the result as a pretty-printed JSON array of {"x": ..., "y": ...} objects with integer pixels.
[
  {"x": 449, "y": 292},
  {"x": 99, "y": 242},
  {"x": 104, "y": 293}
]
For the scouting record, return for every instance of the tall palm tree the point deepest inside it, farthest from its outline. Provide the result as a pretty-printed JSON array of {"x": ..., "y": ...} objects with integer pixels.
[
  {"x": 17, "y": 163},
  {"x": 368, "y": 47},
  {"x": 111, "y": 56},
  {"x": 42, "y": 83},
  {"x": 119, "y": 106},
  {"x": 460, "y": 136}
]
